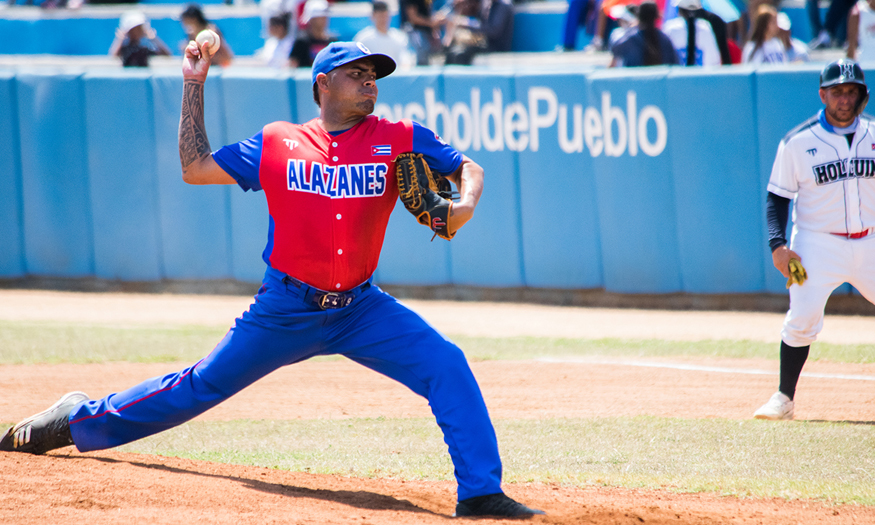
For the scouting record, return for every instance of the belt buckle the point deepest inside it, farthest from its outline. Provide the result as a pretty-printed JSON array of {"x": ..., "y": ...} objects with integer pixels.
[{"x": 334, "y": 300}]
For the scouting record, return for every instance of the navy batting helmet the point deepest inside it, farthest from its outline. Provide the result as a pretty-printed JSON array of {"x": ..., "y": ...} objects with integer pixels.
[{"x": 845, "y": 71}]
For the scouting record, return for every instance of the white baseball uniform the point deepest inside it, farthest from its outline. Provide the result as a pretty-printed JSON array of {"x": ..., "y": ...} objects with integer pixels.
[{"x": 832, "y": 184}]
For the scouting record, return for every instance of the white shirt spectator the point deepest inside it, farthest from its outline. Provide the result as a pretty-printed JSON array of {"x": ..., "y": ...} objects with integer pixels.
[
  {"x": 276, "y": 52},
  {"x": 798, "y": 51},
  {"x": 866, "y": 35},
  {"x": 771, "y": 52},
  {"x": 707, "y": 52},
  {"x": 392, "y": 43},
  {"x": 269, "y": 8}
]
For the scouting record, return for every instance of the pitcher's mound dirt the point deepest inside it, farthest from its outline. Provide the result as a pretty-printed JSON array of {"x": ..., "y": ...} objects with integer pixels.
[{"x": 117, "y": 488}]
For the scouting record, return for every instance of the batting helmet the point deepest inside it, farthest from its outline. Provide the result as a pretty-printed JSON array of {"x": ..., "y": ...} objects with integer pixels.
[{"x": 845, "y": 71}]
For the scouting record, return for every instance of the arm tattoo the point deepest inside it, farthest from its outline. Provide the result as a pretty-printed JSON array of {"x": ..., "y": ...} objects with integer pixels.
[{"x": 193, "y": 142}]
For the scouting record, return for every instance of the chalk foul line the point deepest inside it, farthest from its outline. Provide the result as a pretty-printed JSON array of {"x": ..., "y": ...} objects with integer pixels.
[{"x": 701, "y": 368}]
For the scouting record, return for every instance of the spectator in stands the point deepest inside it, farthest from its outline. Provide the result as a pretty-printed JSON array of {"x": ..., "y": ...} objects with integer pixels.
[
  {"x": 833, "y": 32},
  {"x": 135, "y": 41},
  {"x": 795, "y": 49},
  {"x": 422, "y": 25},
  {"x": 316, "y": 36},
  {"x": 626, "y": 17},
  {"x": 272, "y": 8},
  {"x": 693, "y": 38},
  {"x": 588, "y": 13},
  {"x": 861, "y": 31},
  {"x": 381, "y": 38},
  {"x": 644, "y": 44},
  {"x": 603, "y": 26},
  {"x": 718, "y": 27},
  {"x": 464, "y": 36},
  {"x": 193, "y": 22},
  {"x": 576, "y": 16},
  {"x": 278, "y": 45},
  {"x": 498, "y": 25},
  {"x": 52, "y": 4},
  {"x": 764, "y": 46}
]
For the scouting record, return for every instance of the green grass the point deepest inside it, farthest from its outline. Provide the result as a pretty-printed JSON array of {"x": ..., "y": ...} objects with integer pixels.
[
  {"x": 46, "y": 342},
  {"x": 826, "y": 461}
]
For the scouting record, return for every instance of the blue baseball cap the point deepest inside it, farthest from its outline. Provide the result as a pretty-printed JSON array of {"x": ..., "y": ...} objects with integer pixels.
[{"x": 337, "y": 54}]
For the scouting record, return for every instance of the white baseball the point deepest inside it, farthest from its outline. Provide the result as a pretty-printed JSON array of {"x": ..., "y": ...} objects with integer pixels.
[{"x": 208, "y": 40}]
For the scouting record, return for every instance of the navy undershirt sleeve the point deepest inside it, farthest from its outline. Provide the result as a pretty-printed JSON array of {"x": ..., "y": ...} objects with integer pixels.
[
  {"x": 777, "y": 213},
  {"x": 242, "y": 161}
]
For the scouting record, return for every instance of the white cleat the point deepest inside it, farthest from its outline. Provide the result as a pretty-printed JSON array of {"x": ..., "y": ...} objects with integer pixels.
[{"x": 778, "y": 407}]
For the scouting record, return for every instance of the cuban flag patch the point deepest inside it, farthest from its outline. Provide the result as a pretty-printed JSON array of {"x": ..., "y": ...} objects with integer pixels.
[{"x": 381, "y": 151}]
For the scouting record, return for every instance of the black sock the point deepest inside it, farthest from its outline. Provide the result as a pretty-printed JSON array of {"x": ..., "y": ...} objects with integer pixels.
[{"x": 792, "y": 360}]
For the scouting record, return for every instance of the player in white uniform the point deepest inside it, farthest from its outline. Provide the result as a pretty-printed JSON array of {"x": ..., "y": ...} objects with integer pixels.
[
  {"x": 827, "y": 167},
  {"x": 861, "y": 31}
]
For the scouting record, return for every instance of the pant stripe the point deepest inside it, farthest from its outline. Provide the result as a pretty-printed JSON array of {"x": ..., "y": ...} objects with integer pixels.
[{"x": 132, "y": 403}]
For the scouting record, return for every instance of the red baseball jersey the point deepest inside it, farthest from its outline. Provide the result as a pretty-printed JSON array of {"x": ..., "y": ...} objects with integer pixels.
[{"x": 330, "y": 195}]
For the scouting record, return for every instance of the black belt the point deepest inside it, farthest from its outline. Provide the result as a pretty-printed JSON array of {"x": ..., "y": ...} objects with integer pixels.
[{"x": 327, "y": 300}]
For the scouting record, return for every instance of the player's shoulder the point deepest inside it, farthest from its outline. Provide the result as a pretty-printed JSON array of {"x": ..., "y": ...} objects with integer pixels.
[
  {"x": 281, "y": 124},
  {"x": 281, "y": 129},
  {"x": 802, "y": 130},
  {"x": 867, "y": 120}
]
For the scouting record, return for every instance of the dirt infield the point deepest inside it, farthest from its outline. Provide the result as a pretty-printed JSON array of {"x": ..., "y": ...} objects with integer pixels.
[{"x": 113, "y": 487}]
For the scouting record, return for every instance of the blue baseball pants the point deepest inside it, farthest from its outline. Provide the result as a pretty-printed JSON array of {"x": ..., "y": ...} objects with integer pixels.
[{"x": 281, "y": 328}]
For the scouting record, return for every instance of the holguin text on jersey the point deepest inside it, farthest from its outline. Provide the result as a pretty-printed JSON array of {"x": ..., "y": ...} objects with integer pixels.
[
  {"x": 337, "y": 181},
  {"x": 844, "y": 169}
]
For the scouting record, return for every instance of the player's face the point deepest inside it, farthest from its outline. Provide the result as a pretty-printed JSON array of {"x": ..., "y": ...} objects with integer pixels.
[
  {"x": 841, "y": 104},
  {"x": 354, "y": 87}
]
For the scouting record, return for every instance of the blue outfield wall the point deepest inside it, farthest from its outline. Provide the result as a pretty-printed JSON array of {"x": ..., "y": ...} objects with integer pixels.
[
  {"x": 11, "y": 232},
  {"x": 649, "y": 181}
]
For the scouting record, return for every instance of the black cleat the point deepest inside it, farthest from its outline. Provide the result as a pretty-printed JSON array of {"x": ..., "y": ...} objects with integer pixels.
[
  {"x": 48, "y": 430},
  {"x": 497, "y": 505}
]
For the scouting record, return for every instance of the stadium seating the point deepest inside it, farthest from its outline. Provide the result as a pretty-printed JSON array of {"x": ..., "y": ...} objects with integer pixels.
[{"x": 89, "y": 30}]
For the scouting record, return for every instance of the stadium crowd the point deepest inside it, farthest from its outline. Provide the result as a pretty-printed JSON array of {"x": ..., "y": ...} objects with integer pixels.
[{"x": 423, "y": 32}]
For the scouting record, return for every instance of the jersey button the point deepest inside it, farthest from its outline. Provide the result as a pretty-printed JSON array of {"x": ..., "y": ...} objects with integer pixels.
[
  {"x": 340, "y": 252},
  {"x": 338, "y": 216},
  {"x": 334, "y": 144},
  {"x": 334, "y": 158},
  {"x": 337, "y": 285}
]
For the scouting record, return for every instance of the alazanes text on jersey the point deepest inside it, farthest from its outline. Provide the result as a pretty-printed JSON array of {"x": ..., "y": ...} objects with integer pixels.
[{"x": 337, "y": 182}]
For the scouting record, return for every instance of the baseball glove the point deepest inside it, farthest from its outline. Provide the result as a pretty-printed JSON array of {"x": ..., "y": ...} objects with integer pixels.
[
  {"x": 797, "y": 273},
  {"x": 427, "y": 195}
]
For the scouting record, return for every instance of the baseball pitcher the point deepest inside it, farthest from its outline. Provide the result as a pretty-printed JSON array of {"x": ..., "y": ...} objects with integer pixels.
[{"x": 331, "y": 185}]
